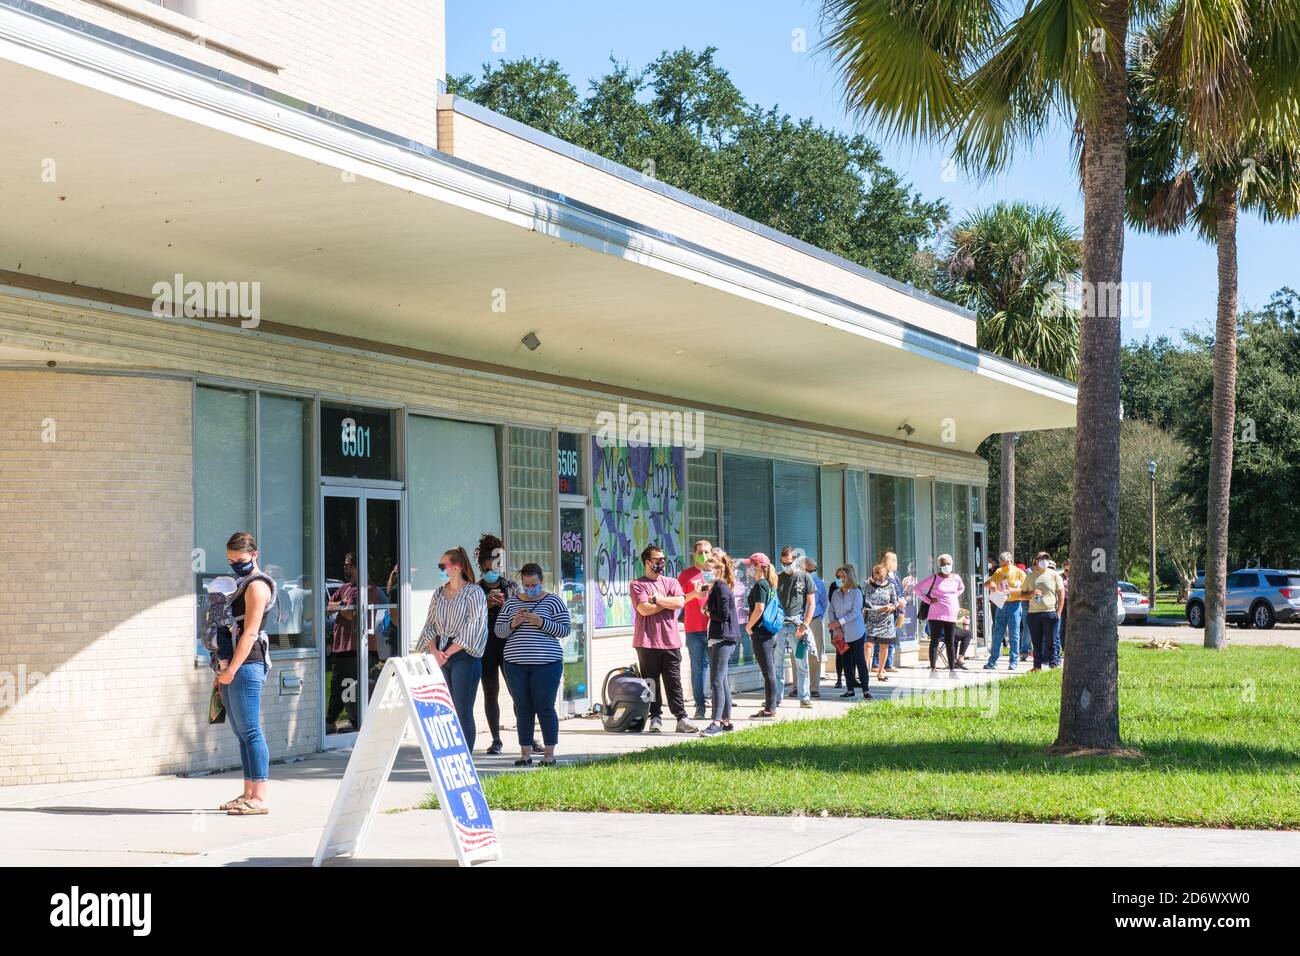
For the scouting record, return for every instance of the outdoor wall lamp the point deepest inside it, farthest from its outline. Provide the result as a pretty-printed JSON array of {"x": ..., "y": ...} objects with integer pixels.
[
  {"x": 908, "y": 429},
  {"x": 531, "y": 341}
]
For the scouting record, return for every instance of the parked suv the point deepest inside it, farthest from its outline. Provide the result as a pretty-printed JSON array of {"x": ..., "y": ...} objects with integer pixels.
[
  {"x": 1257, "y": 597},
  {"x": 1136, "y": 604}
]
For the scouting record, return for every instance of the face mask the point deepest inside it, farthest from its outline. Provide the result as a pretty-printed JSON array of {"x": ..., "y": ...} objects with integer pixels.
[
  {"x": 709, "y": 577},
  {"x": 840, "y": 582},
  {"x": 658, "y": 566},
  {"x": 1041, "y": 565},
  {"x": 945, "y": 569},
  {"x": 701, "y": 560},
  {"x": 491, "y": 577},
  {"x": 534, "y": 592},
  {"x": 443, "y": 576},
  {"x": 241, "y": 568},
  {"x": 788, "y": 568}
]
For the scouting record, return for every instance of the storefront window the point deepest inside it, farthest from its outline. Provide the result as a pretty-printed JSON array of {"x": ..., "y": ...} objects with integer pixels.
[
  {"x": 893, "y": 511},
  {"x": 747, "y": 505},
  {"x": 702, "y": 487},
  {"x": 833, "y": 550},
  {"x": 285, "y": 517},
  {"x": 795, "y": 494},
  {"x": 855, "y": 523},
  {"x": 532, "y": 516},
  {"x": 253, "y": 472},
  {"x": 454, "y": 487}
]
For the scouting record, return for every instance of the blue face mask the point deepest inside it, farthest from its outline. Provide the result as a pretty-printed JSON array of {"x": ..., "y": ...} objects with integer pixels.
[
  {"x": 491, "y": 577},
  {"x": 534, "y": 592},
  {"x": 443, "y": 576},
  {"x": 709, "y": 577},
  {"x": 242, "y": 568}
]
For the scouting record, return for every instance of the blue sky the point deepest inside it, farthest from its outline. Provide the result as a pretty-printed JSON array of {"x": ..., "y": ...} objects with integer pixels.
[{"x": 755, "y": 41}]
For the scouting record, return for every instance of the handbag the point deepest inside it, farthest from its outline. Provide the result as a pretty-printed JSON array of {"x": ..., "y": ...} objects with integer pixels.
[
  {"x": 841, "y": 646},
  {"x": 923, "y": 611}
]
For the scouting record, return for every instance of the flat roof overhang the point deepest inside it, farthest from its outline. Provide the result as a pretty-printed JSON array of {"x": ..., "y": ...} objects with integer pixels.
[{"x": 157, "y": 172}]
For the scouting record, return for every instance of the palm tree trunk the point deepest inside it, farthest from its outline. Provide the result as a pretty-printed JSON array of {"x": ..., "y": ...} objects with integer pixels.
[
  {"x": 1223, "y": 415},
  {"x": 1007, "y": 503},
  {"x": 1090, "y": 682}
]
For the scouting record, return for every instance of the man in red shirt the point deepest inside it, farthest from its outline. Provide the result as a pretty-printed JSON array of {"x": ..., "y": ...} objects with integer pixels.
[
  {"x": 656, "y": 599},
  {"x": 697, "y": 625}
]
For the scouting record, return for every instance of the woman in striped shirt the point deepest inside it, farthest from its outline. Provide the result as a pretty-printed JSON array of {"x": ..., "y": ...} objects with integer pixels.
[
  {"x": 455, "y": 633},
  {"x": 533, "y": 623}
]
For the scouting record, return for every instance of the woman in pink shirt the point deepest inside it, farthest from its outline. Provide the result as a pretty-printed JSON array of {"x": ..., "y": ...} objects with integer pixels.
[{"x": 942, "y": 592}]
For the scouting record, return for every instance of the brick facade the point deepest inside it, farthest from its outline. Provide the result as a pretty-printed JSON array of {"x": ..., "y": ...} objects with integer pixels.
[{"x": 97, "y": 672}]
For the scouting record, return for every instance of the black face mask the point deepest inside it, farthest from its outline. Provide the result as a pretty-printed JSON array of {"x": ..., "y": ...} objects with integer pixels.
[
  {"x": 241, "y": 568},
  {"x": 658, "y": 566}
]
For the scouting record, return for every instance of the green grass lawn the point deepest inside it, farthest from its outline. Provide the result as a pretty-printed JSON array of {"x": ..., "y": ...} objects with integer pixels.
[
  {"x": 1168, "y": 607},
  {"x": 1218, "y": 732}
]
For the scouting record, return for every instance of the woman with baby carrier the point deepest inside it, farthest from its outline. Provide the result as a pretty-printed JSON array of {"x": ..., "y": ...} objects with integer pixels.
[{"x": 244, "y": 657}]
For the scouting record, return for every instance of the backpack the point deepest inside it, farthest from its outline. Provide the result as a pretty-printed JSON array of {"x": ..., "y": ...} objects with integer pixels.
[{"x": 773, "y": 613}]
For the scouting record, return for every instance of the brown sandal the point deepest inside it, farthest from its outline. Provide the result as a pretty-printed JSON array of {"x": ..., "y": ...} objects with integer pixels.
[
  {"x": 245, "y": 809},
  {"x": 231, "y": 804}
]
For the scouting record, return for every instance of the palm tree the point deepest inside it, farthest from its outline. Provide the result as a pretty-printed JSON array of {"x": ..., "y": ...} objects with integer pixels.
[
  {"x": 987, "y": 76},
  {"x": 1010, "y": 263},
  {"x": 1247, "y": 158}
]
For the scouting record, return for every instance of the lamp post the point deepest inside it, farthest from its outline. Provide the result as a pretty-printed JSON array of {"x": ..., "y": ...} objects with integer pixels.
[{"x": 1151, "y": 581}]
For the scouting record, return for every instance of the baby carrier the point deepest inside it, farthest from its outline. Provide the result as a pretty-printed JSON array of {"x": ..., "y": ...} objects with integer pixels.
[{"x": 223, "y": 592}]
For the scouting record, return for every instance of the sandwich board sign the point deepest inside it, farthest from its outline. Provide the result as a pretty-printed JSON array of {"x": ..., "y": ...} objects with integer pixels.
[{"x": 411, "y": 692}]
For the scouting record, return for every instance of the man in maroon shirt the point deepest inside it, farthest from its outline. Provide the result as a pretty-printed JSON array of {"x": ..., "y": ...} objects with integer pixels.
[
  {"x": 656, "y": 599},
  {"x": 697, "y": 625}
]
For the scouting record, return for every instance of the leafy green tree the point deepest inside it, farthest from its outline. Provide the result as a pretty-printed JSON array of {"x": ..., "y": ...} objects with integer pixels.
[
  {"x": 987, "y": 76},
  {"x": 681, "y": 120},
  {"x": 1010, "y": 264}
]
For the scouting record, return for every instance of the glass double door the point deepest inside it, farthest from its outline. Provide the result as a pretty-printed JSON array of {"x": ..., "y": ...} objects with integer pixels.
[
  {"x": 576, "y": 690},
  {"x": 364, "y": 575}
]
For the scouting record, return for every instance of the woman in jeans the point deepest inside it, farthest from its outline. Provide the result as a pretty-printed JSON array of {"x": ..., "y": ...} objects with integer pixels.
[
  {"x": 455, "y": 633},
  {"x": 533, "y": 623},
  {"x": 1045, "y": 590},
  {"x": 764, "y": 641},
  {"x": 942, "y": 592},
  {"x": 719, "y": 577},
  {"x": 844, "y": 618},
  {"x": 244, "y": 664}
]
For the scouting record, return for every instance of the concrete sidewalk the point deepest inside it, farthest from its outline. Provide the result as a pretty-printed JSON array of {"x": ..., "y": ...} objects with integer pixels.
[{"x": 171, "y": 820}]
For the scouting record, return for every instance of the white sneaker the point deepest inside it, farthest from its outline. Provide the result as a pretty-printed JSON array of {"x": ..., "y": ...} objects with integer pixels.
[{"x": 656, "y": 725}]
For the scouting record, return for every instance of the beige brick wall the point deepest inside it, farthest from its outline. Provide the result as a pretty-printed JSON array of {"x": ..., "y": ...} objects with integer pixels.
[
  {"x": 97, "y": 675},
  {"x": 477, "y": 142},
  {"x": 376, "y": 61},
  {"x": 137, "y": 342}
]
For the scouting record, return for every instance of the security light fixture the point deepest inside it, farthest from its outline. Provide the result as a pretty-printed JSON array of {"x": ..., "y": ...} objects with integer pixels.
[
  {"x": 906, "y": 428},
  {"x": 531, "y": 341}
]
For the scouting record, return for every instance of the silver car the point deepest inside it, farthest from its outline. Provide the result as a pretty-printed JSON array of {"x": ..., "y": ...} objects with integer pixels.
[
  {"x": 1136, "y": 604},
  {"x": 1257, "y": 597}
]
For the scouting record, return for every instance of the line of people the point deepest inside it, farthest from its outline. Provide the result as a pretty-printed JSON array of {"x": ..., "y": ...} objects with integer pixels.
[
  {"x": 483, "y": 626},
  {"x": 1032, "y": 611}
]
